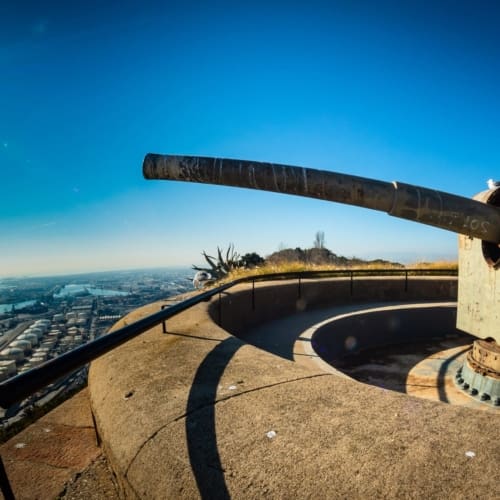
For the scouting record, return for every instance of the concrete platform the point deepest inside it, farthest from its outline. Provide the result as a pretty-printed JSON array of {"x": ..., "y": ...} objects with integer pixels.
[{"x": 201, "y": 413}]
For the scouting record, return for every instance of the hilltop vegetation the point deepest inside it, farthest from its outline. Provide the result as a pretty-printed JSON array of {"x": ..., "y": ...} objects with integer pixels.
[
  {"x": 323, "y": 257},
  {"x": 230, "y": 264}
]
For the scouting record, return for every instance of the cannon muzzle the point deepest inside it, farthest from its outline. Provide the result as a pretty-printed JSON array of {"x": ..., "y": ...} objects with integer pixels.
[{"x": 427, "y": 206}]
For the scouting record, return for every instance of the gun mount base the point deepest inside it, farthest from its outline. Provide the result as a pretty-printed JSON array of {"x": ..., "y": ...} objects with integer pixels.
[{"x": 479, "y": 377}]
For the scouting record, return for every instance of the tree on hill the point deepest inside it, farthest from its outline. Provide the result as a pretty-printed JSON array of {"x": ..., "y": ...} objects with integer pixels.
[
  {"x": 319, "y": 239},
  {"x": 314, "y": 256},
  {"x": 319, "y": 255},
  {"x": 323, "y": 257},
  {"x": 250, "y": 260}
]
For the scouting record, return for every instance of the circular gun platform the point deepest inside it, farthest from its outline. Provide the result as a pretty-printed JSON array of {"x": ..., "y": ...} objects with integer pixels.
[{"x": 410, "y": 348}]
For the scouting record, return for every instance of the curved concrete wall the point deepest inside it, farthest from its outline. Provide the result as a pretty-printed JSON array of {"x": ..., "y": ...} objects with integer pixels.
[
  {"x": 244, "y": 307},
  {"x": 355, "y": 332}
]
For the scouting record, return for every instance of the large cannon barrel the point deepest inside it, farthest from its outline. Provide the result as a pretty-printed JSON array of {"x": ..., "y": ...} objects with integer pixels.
[{"x": 427, "y": 206}]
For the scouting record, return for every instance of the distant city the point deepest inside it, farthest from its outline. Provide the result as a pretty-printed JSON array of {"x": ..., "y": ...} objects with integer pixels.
[{"x": 44, "y": 317}]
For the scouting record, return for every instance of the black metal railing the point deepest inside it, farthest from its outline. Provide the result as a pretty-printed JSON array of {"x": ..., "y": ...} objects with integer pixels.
[{"x": 23, "y": 385}]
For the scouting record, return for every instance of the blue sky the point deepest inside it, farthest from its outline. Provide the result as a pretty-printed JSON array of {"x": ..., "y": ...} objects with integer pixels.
[{"x": 404, "y": 91}]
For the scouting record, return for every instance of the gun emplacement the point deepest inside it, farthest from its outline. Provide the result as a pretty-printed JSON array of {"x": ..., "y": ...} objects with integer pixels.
[{"x": 427, "y": 206}]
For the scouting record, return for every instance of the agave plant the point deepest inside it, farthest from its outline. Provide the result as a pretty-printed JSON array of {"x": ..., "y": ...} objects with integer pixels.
[{"x": 222, "y": 265}]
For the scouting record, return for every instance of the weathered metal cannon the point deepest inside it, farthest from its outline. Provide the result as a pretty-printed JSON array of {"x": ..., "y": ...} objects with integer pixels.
[{"x": 477, "y": 221}]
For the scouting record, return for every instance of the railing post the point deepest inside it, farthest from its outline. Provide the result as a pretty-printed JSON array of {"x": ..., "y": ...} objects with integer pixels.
[
  {"x": 300, "y": 289},
  {"x": 5, "y": 484},
  {"x": 351, "y": 281},
  {"x": 253, "y": 295},
  {"x": 406, "y": 280},
  {"x": 220, "y": 309},
  {"x": 164, "y": 322}
]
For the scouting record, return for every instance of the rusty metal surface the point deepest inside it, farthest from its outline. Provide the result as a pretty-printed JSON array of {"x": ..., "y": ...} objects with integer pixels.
[
  {"x": 427, "y": 206},
  {"x": 485, "y": 358}
]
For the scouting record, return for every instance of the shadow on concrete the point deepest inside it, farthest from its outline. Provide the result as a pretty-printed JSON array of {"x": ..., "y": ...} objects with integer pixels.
[
  {"x": 389, "y": 367},
  {"x": 379, "y": 349},
  {"x": 200, "y": 421},
  {"x": 443, "y": 370},
  {"x": 279, "y": 336}
]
